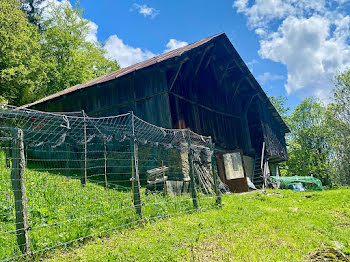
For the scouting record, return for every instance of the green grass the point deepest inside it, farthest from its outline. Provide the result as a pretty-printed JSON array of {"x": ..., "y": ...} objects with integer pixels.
[
  {"x": 60, "y": 210},
  {"x": 273, "y": 226}
]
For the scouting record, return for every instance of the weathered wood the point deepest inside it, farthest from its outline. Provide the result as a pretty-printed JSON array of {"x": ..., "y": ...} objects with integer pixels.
[
  {"x": 136, "y": 177},
  {"x": 105, "y": 160},
  {"x": 8, "y": 154},
  {"x": 192, "y": 182},
  {"x": 174, "y": 77},
  {"x": 164, "y": 180},
  {"x": 85, "y": 151},
  {"x": 19, "y": 191},
  {"x": 205, "y": 107},
  {"x": 202, "y": 57},
  {"x": 215, "y": 175}
]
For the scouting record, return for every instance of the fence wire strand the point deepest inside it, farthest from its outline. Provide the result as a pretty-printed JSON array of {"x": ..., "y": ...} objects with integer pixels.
[{"x": 84, "y": 175}]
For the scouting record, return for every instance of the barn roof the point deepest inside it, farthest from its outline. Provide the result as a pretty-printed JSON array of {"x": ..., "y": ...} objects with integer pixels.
[{"x": 145, "y": 64}]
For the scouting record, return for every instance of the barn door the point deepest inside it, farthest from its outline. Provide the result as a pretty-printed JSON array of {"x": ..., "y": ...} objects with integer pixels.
[{"x": 232, "y": 171}]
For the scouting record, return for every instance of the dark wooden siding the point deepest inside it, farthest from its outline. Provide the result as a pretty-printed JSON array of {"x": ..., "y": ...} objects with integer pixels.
[{"x": 144, "y": 93}]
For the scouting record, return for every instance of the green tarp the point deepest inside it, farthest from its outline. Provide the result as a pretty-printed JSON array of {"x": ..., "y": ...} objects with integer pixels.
[{"x": 311, "y": 183}]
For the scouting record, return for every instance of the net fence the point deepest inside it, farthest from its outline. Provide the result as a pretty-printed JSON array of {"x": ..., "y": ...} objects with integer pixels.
[{"x": 67, "y": 177}]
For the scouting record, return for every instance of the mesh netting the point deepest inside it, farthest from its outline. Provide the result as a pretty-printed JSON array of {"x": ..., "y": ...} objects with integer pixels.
[
  {"x": 87, "y": 177},
  {"x": 311, "y": 183}
]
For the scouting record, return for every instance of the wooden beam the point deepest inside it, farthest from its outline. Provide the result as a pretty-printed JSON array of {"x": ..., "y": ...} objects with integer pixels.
[
  {"x": 174, "y": 77},
  {"x": 224, "y": 74},
  {"x": 202, "y": 57},
  {"x": 205, "y": 107},
  {"x": 246, "y": 108}
]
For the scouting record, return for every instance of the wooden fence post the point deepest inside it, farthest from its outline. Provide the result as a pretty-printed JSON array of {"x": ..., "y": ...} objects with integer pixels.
[
  {"x": 84, "y": 180},
  {"x": 164, "y": 181},
  {"x": 19, "y": 191},
  {"x": 134, "y": 154},
  {"x": 191, "y": 171},
  {"x": 67, "y": 160},
  {"x": 215, "y": 176},
  {"x": 105, "y": 160}
]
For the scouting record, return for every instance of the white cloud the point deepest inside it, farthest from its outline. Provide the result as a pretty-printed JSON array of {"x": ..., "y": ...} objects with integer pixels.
[
  {"x": 115, "y": 47},
  {"x": 268, "y": 77},
  {"x": 310, "y": 37},
  {"x": 145, "y": 10},
  {"x": 174, "y": 44},
  {"x": 92, "y": 36},
  {"x": 125, "y": 55},
  {"x": 251, "y": 64}
]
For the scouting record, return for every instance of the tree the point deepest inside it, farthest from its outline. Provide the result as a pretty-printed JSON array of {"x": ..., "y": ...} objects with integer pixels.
[
  {"x": 279, "y": 103},
  {"x": 23, "y": 73},
  {"x": 309, "y": 149},
  {"x": 338, "y": 120},
  {"x": 33, "y": 10},
  {"x": 65, "y": 44}
]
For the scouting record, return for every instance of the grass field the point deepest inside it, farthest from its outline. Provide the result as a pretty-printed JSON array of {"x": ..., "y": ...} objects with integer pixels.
[
  {"x": 62, "y": 213},
  {"x": 270, "y": 226}
]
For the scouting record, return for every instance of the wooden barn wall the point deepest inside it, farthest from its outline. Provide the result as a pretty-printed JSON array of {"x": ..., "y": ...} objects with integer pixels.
[
  {"x": 273, "y": 135},
  {"x": 191, "y": 94},
  {"x": 145, "y": 93}
]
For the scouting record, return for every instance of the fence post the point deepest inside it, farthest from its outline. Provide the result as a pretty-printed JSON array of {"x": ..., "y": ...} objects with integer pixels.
[
  {"x": 105, "y": 159},
  {"x": 19, "y": 191},
  {"x": 134, "y": 154},
  {"x": 164, "y": 181},
  {"x": 215, "y": 176},
  {"x": 67, "y": 160},
  {"x": 190, "y": 162},
  {"x": 84, "y": 180}
]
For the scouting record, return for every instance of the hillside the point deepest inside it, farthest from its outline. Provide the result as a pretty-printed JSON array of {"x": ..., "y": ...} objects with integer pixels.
[{"x": 271, "y": 226}]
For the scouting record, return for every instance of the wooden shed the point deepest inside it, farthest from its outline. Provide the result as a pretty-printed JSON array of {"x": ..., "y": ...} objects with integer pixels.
[{"x": 204, "y": 86}]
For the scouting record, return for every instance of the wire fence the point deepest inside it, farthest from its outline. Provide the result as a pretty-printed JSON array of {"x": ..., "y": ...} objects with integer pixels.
[{"x": 67, "y": 177}]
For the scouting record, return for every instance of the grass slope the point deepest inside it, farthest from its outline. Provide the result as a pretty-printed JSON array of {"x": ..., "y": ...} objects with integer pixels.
[
  {"x": 271, "y": 226},
  {"x": 60, "y": 210}
]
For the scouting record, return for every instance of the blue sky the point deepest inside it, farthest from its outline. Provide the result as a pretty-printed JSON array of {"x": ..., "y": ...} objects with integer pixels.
[{"x": 293, "y": 48}]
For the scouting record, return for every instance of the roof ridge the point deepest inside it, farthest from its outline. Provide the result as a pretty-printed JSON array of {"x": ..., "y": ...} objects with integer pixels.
[{"x": 127, "y": 70}]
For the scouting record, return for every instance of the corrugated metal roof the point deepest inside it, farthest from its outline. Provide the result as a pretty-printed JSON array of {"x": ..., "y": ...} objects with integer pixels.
[{"x": 126, "y": 70}]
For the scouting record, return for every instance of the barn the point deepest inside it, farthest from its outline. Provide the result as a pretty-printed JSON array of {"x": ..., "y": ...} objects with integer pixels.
[{"x": 204, "y": 86}]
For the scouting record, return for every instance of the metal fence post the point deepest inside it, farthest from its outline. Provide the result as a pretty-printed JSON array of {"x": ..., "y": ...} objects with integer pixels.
[
  {"x": 191, "y": 171},
  {"x": 215, "y": 175},
  {"x": 19, "y": 191},
  {"x": 134, "y": 154}
]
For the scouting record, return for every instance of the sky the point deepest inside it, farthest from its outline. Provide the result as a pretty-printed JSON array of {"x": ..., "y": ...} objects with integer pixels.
[{"x": 294, "y": 48}]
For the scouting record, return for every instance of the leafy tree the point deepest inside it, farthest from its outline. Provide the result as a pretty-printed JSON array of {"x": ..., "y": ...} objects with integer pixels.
[
  {"x": 309, "y": 149},
  {"x": 75, "y": 59},
  {"x": 22, "y": 69},
  {"x": 33, "y": 10},
  {"x": 279, "y": 103},
  {"x": 338, "y": 120}
]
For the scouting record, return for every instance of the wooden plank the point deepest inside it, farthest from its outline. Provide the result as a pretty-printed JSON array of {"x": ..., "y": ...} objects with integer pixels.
[
  {"x": 135, "y": 170},
  {"x": 19, "y": 191},
  {"x": 202, "y": 57},
  {"x": 174, "y": 77},
  {"x": 205, "y": 107},
  {"x": 215, "y": 175},
  {"x": 191, "y": 171}
]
